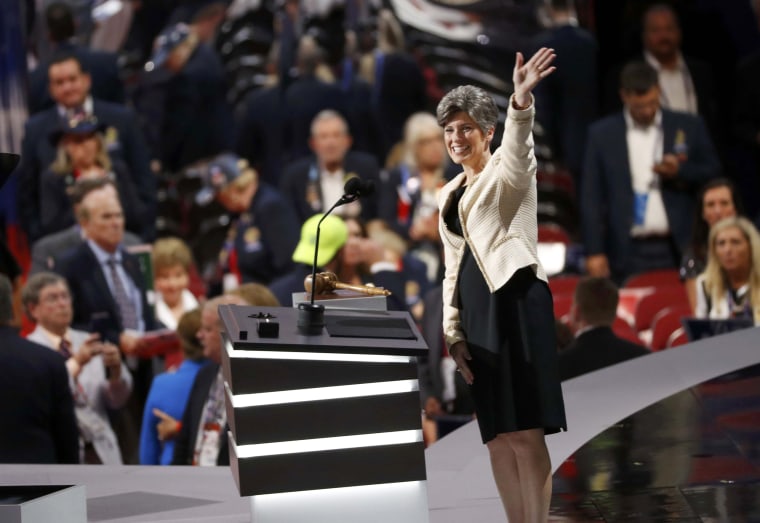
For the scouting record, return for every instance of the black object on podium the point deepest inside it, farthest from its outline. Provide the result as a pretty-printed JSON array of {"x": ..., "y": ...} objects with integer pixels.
[{"x": 336, "y": 409}]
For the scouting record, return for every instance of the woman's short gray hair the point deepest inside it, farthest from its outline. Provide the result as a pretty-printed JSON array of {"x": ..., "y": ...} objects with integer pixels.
[{"x": 472, "y": 100}]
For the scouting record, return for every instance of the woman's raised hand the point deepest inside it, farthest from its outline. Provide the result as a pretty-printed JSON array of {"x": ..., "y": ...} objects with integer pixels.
[{"x": 526, "y": 75}]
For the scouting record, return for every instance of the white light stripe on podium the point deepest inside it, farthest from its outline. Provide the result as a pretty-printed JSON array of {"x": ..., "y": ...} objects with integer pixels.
[
  {"x": 314, "y": 356},
  {"x": 323, "y": 444},
  {"x": 324, "y": 393}
]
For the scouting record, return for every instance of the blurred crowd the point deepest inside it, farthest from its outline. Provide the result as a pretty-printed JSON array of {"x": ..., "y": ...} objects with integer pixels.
[{"x": 179, "y": 153}]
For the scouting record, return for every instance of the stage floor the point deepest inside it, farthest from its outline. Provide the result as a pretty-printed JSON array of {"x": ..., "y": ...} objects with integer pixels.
[
  {"x": 670, "y": 437},
  {"x": 693, "y": 457}
]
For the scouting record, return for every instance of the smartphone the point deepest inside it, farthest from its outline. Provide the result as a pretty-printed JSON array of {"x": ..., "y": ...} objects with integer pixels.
[{"x": 100, "y": 322}]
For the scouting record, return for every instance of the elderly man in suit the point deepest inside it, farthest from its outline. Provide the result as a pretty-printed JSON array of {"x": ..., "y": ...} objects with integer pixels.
[
  {"x": 314, "y": 184},
  {"x": 642, "y": 167},
  {"x": 48, "y": 247},
  {"x": 38, "y": 415},
  {"x": 595, "y": 345},
  {"x": 69, "y": 86},
  {"x": 107, "y": 289},
  {"x": 99, "y": 380}
]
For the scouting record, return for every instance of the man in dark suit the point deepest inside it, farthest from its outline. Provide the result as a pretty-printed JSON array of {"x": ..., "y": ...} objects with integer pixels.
[
  {"x": 306, "y": 96},
  {"x": 202, "y": 441},
  {"x": 595, "y": 345},
  {"x": 38, "y": 414},
  {"x": 566, "y": 101},
  {"x": 48, "y": 247},
  {"x": 101, "y": 66},
  {"x": 641, "y": 170},
  {"x": 109, "y": 296},
  {"x": 69, "y": 87},
  {"x": 182, "y": 100},
  {"x": 314, "y": 184},
  {"x": 686, "y": 83}
]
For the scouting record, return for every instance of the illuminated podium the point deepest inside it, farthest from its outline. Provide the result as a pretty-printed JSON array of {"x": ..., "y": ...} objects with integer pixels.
[{"x": 325, "y": 428}]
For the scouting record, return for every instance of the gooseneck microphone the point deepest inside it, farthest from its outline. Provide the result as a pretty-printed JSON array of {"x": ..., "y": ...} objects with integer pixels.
[{"x": 311, "y": 315}]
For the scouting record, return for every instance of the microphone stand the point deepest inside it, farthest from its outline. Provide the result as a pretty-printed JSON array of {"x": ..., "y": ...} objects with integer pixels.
[{"x": 311, "y": 315}]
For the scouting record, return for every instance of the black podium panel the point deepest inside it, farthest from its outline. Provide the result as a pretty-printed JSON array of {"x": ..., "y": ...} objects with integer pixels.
[
  {"x": 329, "y": 469},
  {"x": 253, "y": 375},
  {"x": 325, "y": 419},
  {"x": 323, "y": 411}
]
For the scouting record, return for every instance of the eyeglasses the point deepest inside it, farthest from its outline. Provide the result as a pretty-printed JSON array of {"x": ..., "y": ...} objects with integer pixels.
[{"x": 54, "y": 297}]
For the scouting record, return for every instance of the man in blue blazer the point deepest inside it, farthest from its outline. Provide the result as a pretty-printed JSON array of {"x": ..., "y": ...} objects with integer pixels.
[
  {"x": 641, "y": 170},
  {"x": 69, "y": 87}
]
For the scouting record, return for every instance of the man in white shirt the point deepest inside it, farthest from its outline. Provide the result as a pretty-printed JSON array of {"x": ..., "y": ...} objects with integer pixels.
[
  {"x": 641, "y": 170},
  {"x": 98, "y": 378}
]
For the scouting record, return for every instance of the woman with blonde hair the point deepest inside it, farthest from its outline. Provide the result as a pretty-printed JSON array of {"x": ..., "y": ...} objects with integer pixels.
[
  {"x": 82, "y": 152},
  {"x": 730, "y": 285}
]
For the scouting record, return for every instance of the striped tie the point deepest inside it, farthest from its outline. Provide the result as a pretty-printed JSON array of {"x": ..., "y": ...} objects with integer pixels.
[{"x": 126, "y": 306}]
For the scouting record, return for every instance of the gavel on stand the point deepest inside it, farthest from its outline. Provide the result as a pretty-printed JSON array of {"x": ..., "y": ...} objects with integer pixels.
[{"x": 327, "y": 282}]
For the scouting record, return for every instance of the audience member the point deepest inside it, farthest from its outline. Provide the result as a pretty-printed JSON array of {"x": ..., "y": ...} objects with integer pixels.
[
  {"x": 313, "y": 185},
  {"x": 718, "y": 199},
  {"x": 108, "y": 290},
  {"x": 686, "y": 84},
  {"x": 182, "y": 100},
  {"x": 260, "y": 126},
  {"x": 256, "y": 294},
  {"x": 172, "y": 262},
  {"x": 642, "y": 167},
  {"x": 48, "y": 247},
  {"x": 595, "y": 346},
  {"x": 202, "y": 440},
  {"x": 38, "y": 414},
  {"x": 263, "y": 233},
  {"x": 566, "y": 102},
  {"x": 333, "y": 234},
  {"x": 69, "y": 87},
  {"x": 398, "y": 86},
  {"x": 81, "y": 153},
  {"x": 99, "y": 380},
  {"x": 730, "y": 285},
  {"x": 311, "y": 92},
  {"x": 408, "y": 197},
  {"x": 102, "y": 66},
  {"x": 746, "y": 129},
  {"x": 168, "y": 396}
]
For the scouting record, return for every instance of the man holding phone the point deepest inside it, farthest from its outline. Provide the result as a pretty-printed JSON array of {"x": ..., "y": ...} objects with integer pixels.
[{"x": 98, "y": 378}]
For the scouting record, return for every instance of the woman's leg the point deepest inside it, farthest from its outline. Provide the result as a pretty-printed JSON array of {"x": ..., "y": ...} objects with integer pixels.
[
  {"x": 534, "y": 471},
  {"x": 507, "y": 478}
]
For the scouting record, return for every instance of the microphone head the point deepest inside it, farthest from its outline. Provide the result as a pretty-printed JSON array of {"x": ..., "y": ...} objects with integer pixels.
[{"x": 353, "y": 186}]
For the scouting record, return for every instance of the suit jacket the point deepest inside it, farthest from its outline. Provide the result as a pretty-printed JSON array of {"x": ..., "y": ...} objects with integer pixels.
[
  {"x": 498, "y": 213},
  {"x": 295, "y": 182},
  {"x": 701, "y": 76},
  {"x": 102, "y": 67},
  {"x": 38, "y": 415},
  {"x": 46, "y": 249},
  {"x": 260, "y": 132},
  {"x": 595, "y": 349},
  {"x": 184, "y": 446},
  {"x": 124, "y": 142},
  {"x": 90, "y": 292},
  {"x": 607, "y": 198}
]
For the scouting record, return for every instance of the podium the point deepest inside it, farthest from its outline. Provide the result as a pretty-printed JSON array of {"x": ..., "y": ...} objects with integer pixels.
[{"x": 325, "y": 428}]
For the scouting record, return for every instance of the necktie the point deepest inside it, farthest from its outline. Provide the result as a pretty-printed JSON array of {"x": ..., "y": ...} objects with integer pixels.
[
  {"x": 127, "y": 308},
  {"x": 64, "y": 348}
]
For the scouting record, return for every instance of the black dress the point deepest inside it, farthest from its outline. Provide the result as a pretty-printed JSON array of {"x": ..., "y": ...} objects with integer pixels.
[{"x": 511, "y": 337}]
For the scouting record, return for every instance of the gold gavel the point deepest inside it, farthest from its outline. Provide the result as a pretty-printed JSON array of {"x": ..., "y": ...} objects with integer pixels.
[{"x": 327, "y": 282}]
